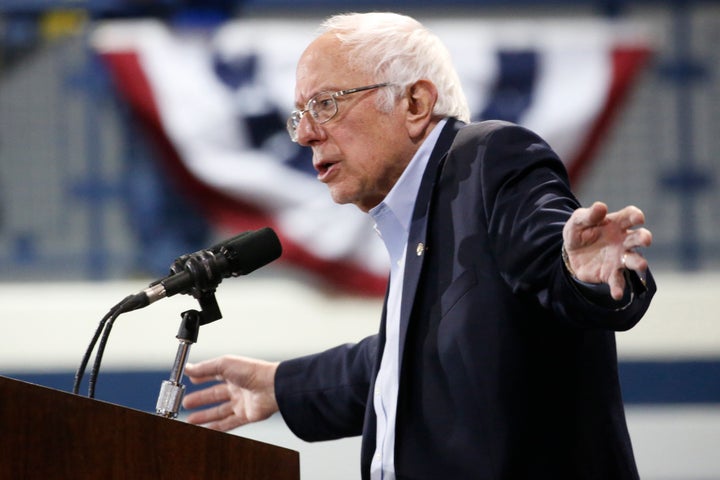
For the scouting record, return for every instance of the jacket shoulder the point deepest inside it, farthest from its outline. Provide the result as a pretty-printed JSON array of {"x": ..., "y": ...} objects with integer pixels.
[{"x": 480, "y": 131}]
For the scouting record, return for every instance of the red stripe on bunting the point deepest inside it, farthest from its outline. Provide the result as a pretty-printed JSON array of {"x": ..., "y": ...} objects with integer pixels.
[
  {"x": 627, "y": 63},
  {"x": 223, "y": 211}
]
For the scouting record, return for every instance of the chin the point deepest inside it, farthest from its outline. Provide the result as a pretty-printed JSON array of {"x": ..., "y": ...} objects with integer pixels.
[{"x": 339, "y": 195}]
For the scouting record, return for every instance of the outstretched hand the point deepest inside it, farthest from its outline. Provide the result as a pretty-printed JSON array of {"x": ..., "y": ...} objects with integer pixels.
[
  {"x": 601, "y": 245},
  {"x": 245, "y": 394}
]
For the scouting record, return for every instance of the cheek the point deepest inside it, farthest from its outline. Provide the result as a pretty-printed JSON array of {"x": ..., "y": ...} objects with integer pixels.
[
  {"x": 377, "y": 137},
  {"x": 368, "y": 143}
]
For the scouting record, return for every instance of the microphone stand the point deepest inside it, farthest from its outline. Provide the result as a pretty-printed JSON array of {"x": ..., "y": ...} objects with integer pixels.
[{"x": 172, "y": 390}]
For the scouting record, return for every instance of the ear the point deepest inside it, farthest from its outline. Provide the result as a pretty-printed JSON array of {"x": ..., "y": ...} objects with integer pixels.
[{"x": 421, "y": 97}]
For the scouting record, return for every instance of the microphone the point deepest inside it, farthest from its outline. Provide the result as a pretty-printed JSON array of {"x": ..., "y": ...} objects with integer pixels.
[{"x": 204, "y": 270}]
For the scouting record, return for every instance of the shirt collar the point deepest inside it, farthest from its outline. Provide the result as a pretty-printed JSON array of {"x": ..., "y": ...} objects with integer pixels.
[{"x": 401, "y": 198}]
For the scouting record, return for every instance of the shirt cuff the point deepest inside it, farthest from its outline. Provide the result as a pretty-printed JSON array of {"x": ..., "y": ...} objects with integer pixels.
[{"x": 599, "y": 293}]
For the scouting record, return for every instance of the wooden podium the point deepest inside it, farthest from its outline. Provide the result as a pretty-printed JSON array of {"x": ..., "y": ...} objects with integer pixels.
[{"x": 50, "y": 434}]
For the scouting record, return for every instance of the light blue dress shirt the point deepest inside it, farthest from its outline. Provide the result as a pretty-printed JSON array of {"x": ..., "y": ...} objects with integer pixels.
[{"x": 392, "y": 222}]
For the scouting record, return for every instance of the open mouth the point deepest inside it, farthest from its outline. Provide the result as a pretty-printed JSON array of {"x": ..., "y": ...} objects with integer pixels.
[{"x": 324, "y": 168}]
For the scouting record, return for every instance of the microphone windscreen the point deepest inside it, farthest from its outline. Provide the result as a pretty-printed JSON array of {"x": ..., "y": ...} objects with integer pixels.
[{"x": 246, "y": 253}]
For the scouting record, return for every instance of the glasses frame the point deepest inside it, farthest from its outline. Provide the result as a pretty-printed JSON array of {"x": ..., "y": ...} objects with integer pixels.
[{"x": 293, "y": 121}]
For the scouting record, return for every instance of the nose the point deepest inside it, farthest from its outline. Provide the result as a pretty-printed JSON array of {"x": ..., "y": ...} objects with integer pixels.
[{"x": 308, "y": 131}]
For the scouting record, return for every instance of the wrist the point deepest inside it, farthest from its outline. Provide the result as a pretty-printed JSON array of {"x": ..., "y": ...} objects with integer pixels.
[{"x": 566, "y": 261}]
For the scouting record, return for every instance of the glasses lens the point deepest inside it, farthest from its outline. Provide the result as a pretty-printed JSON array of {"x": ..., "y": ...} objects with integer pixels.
[
  {"x": 323, "y": 107},
  {"x": 292, "y": 123}
]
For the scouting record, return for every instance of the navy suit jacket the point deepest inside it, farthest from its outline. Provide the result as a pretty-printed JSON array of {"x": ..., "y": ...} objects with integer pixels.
[{"x": 508, "y": 368}]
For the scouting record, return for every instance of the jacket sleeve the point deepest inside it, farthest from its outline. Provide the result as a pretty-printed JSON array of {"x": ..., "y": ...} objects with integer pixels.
[
  {"x": 323, "y": 396},
  {"x": 528, "y": 200}
]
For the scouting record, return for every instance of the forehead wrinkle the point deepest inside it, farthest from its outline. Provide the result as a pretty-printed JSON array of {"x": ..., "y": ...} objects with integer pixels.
[
  {"x": 325, "y": 57},
  {"x": 302, "y": 104}
]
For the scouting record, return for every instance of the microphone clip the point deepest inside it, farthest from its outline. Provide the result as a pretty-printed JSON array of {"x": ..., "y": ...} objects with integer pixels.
[{"x": 206, "y": 282}]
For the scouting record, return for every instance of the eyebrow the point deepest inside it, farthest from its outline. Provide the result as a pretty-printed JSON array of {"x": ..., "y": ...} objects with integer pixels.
[{"x": 315, "y": 93}]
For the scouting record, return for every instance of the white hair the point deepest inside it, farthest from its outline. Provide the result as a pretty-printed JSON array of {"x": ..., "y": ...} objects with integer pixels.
[{"x": 400, "y": 50}]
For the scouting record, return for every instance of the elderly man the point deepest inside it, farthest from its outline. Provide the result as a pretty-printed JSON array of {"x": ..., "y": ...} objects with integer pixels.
[{"x": 495, "y": 357}]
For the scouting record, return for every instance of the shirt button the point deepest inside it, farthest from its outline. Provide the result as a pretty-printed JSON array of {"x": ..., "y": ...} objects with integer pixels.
[{"x": 420, "y": 249}]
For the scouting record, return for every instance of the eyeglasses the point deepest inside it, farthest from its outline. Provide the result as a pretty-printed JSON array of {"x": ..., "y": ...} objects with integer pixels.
[{"x": 323, "y": 107}]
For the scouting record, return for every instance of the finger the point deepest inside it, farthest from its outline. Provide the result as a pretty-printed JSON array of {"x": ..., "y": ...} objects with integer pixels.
[
  {"x": 209, "y": 370},
  {"x": 597, "y": 213},
  {"x": 228, "y": 423},
  {"x": 211, "y": 416},
  {"x": 591, "y": 216},
  {"x": 215, "y": 394},
  {"x": 579, "y": 229},
  {"x": 197, "y": 380},
  {"x": 642, "y": 237},
  {"x": 628, "y": 217},
  {"x": 617, "y": 284},
  {"x": 206, "y": 369},
  {"x": 635, "y": 261},
  {"x": 222, "y": 418}
]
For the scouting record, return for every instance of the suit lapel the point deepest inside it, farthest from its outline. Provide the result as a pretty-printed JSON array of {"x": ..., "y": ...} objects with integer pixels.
[{"x": 416, "y": 247}]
